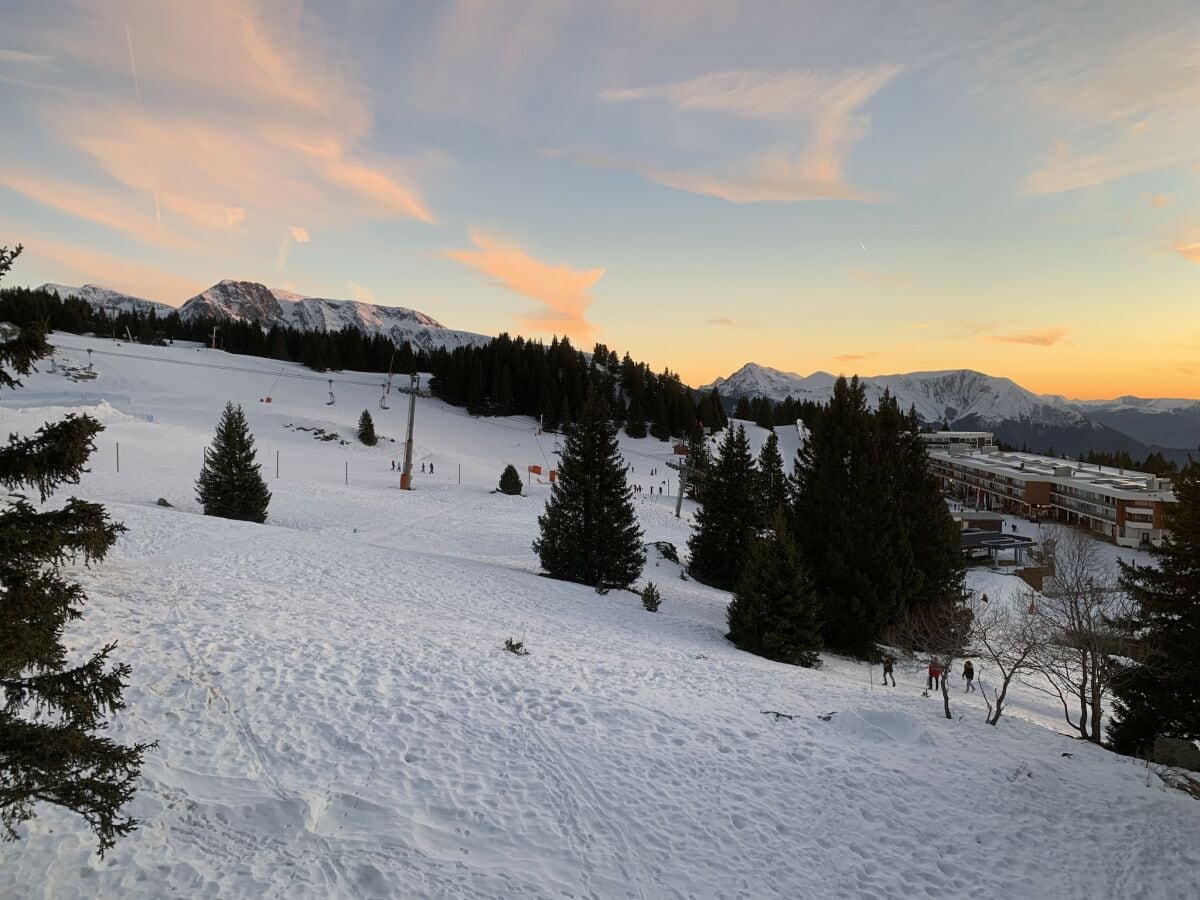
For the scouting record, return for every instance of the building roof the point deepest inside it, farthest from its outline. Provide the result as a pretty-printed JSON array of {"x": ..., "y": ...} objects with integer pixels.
[{"x": 1125, "y": 484}]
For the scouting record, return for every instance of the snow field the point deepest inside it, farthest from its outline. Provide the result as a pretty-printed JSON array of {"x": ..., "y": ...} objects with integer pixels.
[{"x": 337, "y": 716}]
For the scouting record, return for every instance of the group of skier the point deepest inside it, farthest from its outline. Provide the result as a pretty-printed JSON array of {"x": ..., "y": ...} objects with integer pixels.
[{"x": 934, "y": 681}]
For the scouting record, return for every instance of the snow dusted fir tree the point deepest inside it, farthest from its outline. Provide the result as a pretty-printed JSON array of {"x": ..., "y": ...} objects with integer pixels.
[
  {"x": 510, "y": 481},
  {"x": 231, "y": 485},
  {"x": 589, "y": 531},
  {"x": 366, "y": 429},
  {"x": 54, "y": 702},
  {"x": 1159, "y": 693},
  {"x": 774, "y": 612},
  {"x": 728, "y": 521}
]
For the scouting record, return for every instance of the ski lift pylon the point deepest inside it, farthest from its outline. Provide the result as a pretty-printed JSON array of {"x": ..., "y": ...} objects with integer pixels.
[{"x": 332, "y": 399}]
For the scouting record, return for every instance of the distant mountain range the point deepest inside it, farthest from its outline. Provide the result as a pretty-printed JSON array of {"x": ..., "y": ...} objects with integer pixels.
[
  {"x": 971, "y": 401},
  {"x": 254, "y": 302}
]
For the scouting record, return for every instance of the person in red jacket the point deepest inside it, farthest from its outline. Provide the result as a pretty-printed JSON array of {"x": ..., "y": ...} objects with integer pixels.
[{"x": 935, "y": 675}]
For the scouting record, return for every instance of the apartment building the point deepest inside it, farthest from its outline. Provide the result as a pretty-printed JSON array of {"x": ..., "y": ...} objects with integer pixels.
[
  {"x": 959, "y": 440},
  {"x": 1120, "y": 504}
]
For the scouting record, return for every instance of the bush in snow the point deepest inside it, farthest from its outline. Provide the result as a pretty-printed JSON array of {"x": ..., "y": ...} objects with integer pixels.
[
  {"x": 366, "y": 429},
  {"x": 651, "y": 599},
  {"x": 52, "y": 712},
  {"x": 510, "y": 481},
  {"x": 230, "y": 484},
  {"x": 517, "y": 647}
]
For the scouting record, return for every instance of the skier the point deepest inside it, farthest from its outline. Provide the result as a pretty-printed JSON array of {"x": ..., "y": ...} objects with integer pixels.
[
  {"x": 969, "y": 675},
  {"x": 935, "y": 675},
  {"x": 422, "y": 468},
  {"x": 393, "y": 465},
  {"x": 889, "y": 662},
  {"x": 431, "y": 468}
]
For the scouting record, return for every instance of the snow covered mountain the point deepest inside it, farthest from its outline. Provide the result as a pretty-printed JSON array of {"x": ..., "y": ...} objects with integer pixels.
[
  {"x": 1167, "y": 422},
  {"x": 251, "y": 301},
  {"x": 106, "y": 299},
  {"x": 964, "y": 399},
  {"x": 256, "y": 302}
]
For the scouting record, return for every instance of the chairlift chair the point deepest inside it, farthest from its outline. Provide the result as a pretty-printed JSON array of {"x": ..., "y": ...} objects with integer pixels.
[
  {"x": 383, "y": 404},
  {"x": 332, "y": 399}
]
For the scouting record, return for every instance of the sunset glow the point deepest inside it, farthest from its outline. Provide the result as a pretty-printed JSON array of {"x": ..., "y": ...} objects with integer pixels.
[{"x": 1007, "y": 187}]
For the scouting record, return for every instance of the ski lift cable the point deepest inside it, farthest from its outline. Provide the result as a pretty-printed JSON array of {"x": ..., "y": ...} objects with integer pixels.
[{"x": 201, "y": 365}]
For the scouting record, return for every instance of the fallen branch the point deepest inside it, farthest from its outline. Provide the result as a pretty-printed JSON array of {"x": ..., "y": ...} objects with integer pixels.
[{"x": 776, "y": 714}]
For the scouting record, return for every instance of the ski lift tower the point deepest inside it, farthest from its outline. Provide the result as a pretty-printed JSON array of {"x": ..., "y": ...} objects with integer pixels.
[{"x": 406, "y": 472}]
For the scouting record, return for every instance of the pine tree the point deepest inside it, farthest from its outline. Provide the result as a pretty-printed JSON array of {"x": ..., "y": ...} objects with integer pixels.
[
  {"x": 1159, "y": 694},
  {"x": 510, "y": 481},
  {"x": 366, "y": 429},
  {"x": 231, "y": 484},
  {"x": 53, "y": 713},
  {"x": 727, "y": 522},
  {"x": 660, "y": 425},
  {"x": 774, "y": 612},
  {"x": 589, "y": 532},
  {"x": 651, "y": 600},
  {"x": 635, "y": 420},
  {"x": 771, "y": 482},
  {"x": 742, "y": 409}
]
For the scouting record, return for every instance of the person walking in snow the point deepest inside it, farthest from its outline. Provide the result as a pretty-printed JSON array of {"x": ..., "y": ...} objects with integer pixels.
[
  {"x": 431, "y": 468},
  {"x": 422, "y": 468},
  {"x": 393, "y": 465},
  {"x": 889, "y": 663},
  {"x": 969, "y": 675},
  {"x": 935, "y": 676}
]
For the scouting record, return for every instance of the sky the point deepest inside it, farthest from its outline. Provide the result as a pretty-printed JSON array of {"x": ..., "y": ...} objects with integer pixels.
[{"x": 870, "y": 188}]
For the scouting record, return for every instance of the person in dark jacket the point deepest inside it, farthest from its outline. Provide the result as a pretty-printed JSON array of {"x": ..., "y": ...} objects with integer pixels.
[
  {"x": 969, "y": 675},
  {"x": 889, "y": 663}
]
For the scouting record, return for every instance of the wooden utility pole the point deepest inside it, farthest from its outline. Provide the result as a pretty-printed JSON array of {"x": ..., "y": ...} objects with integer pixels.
[{"x": 406, "y": 473}]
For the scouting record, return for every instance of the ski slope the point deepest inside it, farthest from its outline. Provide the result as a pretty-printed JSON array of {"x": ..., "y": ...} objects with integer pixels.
[{"x": 337, "y": 716}]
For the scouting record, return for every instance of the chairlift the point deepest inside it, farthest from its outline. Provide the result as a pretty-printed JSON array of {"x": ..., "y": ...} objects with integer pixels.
[
  {"x": 383, "y": 404},
  {"x": 270, "y": 393},
  {"x": 332, "y": 399}
]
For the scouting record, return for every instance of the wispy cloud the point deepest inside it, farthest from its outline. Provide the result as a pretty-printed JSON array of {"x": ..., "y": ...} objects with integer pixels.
[
  {"x": 563, "y": 293},
  {"x": 854, "y": 357},
  {"x": 726, "y": 322},
  {"x": 824, "y": 104},
  {"x": 21, "y": 57},
  {"x": 1044, "y": 338},
  {"x": 261, "y": 134},
  {"x": 1160, "y": 201},
  {"x": 299, "y": 235}
]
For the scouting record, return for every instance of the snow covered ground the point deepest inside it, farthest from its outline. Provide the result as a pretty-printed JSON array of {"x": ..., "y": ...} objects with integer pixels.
[{"x": 337, "y": 716}]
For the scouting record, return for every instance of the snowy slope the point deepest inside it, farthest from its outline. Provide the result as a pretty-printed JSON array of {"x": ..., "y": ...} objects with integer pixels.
[
  {"x": 337, "y": 718},
  {"x": 255, "y": 302},
  {"x": 106, "y": 299}
]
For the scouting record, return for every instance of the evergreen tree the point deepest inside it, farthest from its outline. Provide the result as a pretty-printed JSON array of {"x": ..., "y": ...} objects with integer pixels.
[
  {"x": 660, "y": 425},
  {"x": 742, "y": 409},
  {"x": 772, "y": 483},
  {"x": 589, "y": 531},
  {"x": 1159, "y": 694},
  {"x": 728, "y": 521},
  {"x": 231, "y": 484},
  {"x": 651, "y": 600},
  {"x": 53, "y": 713},
  {"x": 774, "y": 612},
  {"x": 366, "y": 429},
  {"x": 835, "y": 515},
  {"x": 510, "y": 481},
  {"x": 635, "y": 420}
]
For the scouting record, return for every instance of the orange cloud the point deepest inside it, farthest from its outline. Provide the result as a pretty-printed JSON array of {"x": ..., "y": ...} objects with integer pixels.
[
  {"x": 260, "y": 135},
  {"x": 563, "y": 292},
  {"x": 1044, "y": 338},
  {"x": 100, "y": 207},
  {"x": 730, "y": 323},
  {"x": 1158, "y": 201},
  {"x": 853, "y": 357},
  {"x": 1190, "y": 252}
]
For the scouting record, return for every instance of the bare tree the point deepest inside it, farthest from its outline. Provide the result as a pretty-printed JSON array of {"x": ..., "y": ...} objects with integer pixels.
[
  {"x": 937, "y": 634},
  {"x": 1010, "y": 638},
  {"x": 1076, "y": 609}
]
